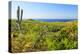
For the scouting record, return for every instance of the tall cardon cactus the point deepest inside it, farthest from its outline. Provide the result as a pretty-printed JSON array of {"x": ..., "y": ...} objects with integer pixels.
[{"x": 19, "y": 17}]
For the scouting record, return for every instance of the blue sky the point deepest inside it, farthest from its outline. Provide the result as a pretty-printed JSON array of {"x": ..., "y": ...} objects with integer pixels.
[{"x": 45, "y": 10}]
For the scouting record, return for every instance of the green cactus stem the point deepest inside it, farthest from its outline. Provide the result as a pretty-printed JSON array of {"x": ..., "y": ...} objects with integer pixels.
[
  {"x": 18, "y": 14},
  {"x": 19, "y": 17},
  {"x": 21, "y": 14}
]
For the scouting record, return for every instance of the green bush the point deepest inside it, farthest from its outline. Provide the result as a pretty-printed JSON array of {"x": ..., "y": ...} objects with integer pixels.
[{"x": 42, "y": 36}]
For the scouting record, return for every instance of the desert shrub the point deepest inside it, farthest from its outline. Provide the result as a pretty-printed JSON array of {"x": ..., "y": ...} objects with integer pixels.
[{"x": 41, "y": 36}]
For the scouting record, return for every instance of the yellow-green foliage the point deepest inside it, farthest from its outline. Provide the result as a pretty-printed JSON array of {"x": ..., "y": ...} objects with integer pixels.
[{"x": 42, "y": 36}]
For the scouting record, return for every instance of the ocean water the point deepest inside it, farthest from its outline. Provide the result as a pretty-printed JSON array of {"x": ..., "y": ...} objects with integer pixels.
[{"x": 55, "y": 20}]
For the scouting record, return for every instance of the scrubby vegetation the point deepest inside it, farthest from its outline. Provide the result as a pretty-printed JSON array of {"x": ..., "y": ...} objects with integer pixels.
[{"x": 43, "y": 36}]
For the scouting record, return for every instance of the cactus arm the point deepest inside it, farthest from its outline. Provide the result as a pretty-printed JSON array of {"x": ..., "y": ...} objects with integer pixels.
[
  {"x": 21, "y": 14},
  {"x": 18, "y": 13}
]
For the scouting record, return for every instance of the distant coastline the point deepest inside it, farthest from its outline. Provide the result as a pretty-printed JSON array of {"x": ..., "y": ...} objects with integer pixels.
[
  {"x": 50, "y": 20},
  {"x": 55, "y": 20}
]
